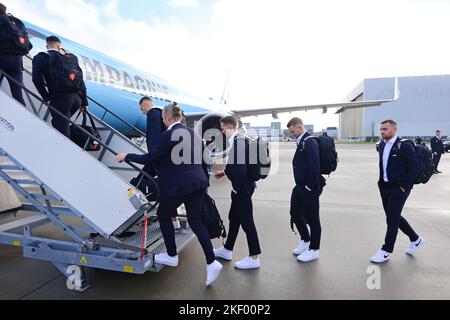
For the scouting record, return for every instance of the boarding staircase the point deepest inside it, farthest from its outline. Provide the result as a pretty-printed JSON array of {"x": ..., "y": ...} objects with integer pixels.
[{"x": 85, "y": 194}]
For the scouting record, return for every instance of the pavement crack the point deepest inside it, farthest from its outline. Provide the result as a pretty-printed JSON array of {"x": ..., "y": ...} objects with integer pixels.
[{"x": 40, "y": 287}]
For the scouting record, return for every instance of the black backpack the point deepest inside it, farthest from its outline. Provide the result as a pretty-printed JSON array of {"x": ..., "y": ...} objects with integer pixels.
[
  {"x": 425, "y": 157},
  {"x": 259, "y": 162},
  {"x": 14, "y": 36},
  {"x": 211, "y": 218},
  {"x": 328, "y": 154},
  {"x": 65, "y": 72}
]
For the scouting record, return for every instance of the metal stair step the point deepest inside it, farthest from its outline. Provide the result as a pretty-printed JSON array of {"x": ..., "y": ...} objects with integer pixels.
[{"x": 182, "y": 240}]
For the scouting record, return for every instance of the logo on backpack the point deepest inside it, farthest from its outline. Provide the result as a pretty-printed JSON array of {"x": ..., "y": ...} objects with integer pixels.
[
  {"x": 328, "y": 154},
  {"x": 72, "y": 76},
  {"x": 22, "y": 40}
]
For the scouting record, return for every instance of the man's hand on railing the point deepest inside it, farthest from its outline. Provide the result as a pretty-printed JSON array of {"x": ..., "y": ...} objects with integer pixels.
[
  {"x": 121, "y": 157},
  {"x": 84, "y": 109}
]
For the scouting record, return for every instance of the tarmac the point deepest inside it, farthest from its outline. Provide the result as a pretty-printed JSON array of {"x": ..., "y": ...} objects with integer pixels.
[{"x": 353, "y": 224}]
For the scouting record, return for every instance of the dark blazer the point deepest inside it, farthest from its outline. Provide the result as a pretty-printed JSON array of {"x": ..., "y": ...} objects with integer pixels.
[
  {"x": 403, "y": 165},
  {"x": 155, "y": 125},
  {"x": 44, "y": 84},
  {"x": 237, "y": 166},
  {"x": 191, "y": 174},
  {"x": 437, "y": 146},
  {"x": 306, "y": 164}
]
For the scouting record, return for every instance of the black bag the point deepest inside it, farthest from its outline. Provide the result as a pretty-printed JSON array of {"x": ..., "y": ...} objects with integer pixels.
[
  {"x": 328, "y": 154},
  {"x": 425, "y": 157},
  {"x": 81, "y": 138},
  {"x": 14, "y": 36},
  {"x": 211, "y": 218},
  {"x": 65, "y": 72},
  {"x": 259, "y": 159},
  {"x": 147, "y": 186}
]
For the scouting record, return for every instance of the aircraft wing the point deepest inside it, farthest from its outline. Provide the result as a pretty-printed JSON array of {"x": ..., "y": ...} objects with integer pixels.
[{"x": 341, "y": 106}]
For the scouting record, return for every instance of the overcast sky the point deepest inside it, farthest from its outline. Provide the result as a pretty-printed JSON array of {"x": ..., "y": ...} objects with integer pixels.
[{"x": 280, "y": 52}]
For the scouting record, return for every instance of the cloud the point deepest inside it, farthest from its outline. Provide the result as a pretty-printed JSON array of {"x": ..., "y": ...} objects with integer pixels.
[
  {"x": 295, "y": 52},
  {"x": 164, "y": 48},
  {"x": 280, "y": 52},
  {"x": 181, "y": 4}
]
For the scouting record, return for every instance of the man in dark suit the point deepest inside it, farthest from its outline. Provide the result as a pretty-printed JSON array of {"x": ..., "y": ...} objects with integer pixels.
[
  {"x": 309, "y": 184},
  {"x": 155, "y": 123},
  {"x": 437, "y": 147},
  {"x": 399, "y": 168},
  {"x": 10, "y": 63},
  {"x": 241, "y": 210},
  {"x": 155, "y": 127},
  {"x": 183, "y": 180},
  {"x": 65, "y": 102}
]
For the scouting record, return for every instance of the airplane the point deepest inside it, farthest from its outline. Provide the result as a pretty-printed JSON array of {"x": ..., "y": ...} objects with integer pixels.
[{"x": 119, "y": 86}]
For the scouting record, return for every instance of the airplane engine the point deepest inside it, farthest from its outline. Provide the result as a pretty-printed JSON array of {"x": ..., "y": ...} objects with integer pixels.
[{"x": 209, "y": 129}]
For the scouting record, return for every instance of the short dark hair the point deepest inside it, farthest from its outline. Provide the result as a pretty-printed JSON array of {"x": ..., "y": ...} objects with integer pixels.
[
  {"x": 2, "y": 9},
  {"x": 145, "y": 99},
  {"x": 230, "y": 120},
  {"x": 53, "y": 39},
  {"x": 391, "y": 122},
  {"x": 295, "y": 122}
]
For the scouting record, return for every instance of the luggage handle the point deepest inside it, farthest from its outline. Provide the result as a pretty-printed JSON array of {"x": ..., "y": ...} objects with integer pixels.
[{"x": 85, "y": 115}]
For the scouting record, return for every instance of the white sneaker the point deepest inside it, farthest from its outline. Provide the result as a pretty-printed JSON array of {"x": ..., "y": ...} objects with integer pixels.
[
  {"x": 248, "y": 263},
  {"x": 223, "y": 254},
  {"x": 302, "y": 247},
  {"x": 213, "y": 271},
  {"x": 176, "y": 224},
  {"x": 381, "y": 257},
  {"x": 308, "y": 256},
  {"x": 414, "y": 246},
  {"x": 166, "y": 260}
]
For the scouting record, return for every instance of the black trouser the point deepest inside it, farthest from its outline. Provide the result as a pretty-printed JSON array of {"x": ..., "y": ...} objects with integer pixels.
[
  {"x": 241, "y": 215},
  {"x": 393, "y": 202},
  {"x": 13, "y": 66},
  {"x": 67, "y": 104},
  {"x": 152, "y": 170},
  {"x": 436, "y": 160},
  {"x": 305, "y": 210},
  {"x": 193, "y": 203}
]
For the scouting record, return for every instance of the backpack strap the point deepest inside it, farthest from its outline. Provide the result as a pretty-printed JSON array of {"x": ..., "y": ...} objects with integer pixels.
[
  {"x": 78, "y": 116},
  {"x": 303, "y": 143},
  {"x": 242, "y": 136},
  {"x": 11, "y": 18},
  {"x": 402, "y": 141},
  {"x": 91, "y": 120}
]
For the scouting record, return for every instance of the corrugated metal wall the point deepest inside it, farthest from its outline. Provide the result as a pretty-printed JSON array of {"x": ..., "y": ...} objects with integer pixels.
[{"x": 351, "y": 122}]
